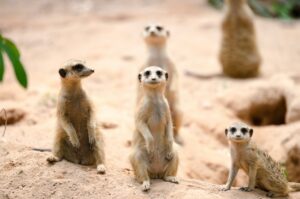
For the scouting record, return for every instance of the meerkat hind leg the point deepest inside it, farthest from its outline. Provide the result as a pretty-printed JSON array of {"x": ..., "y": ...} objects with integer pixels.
[
  {"x": 171, "y": 170},
  {"x": 99, "y": 156},
  {"x": 177, "y": 120},
  {"x": 140, "y": 168},
  {"x": 276, "y": 195},
  {"x": 57, "y": 152}
]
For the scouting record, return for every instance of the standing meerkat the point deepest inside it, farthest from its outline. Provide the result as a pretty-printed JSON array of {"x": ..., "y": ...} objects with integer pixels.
[
  {"x": 262, "y": 170},
  {"x": 78, "y": 138},
  {"x": 239, "y": 54},
  {"x": 153, "y": 155},
  {"x": 155, "y": 37}
]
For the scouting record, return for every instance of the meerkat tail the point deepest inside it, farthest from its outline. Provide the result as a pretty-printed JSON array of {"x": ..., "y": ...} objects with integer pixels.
[
  {"x": 202, "y": 76},
  {"x": 41, "y": 150},
  {"x": 294, "y": 186}
]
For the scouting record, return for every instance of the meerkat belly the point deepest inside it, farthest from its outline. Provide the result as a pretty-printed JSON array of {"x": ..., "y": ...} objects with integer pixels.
[
  {"x": 157, "y": 126},
  {"x": 79, "y": 118}
]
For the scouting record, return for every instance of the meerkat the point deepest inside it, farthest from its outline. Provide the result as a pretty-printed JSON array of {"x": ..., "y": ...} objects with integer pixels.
[
  {"x": 155, "y": 37},
  {"x": 153, "y": 154},
  {"x": 239, "y": 54},
  {"x": 78, "y": 138},
  {"x": 262, "y": 170}
]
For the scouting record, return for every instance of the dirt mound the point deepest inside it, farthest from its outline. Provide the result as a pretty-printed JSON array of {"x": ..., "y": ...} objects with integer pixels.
[
  {"x": 25, "y": 174},
  {"x": 270, "y": 102}
]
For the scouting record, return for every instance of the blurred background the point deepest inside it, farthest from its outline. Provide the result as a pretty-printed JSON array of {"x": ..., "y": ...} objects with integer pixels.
[{"x": 107, "y": 35}]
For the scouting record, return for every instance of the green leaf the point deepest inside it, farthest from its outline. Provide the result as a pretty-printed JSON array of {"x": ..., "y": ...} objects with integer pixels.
[
  {"x": 14, "y": 56},
  {"x": 1, "y": 66}
]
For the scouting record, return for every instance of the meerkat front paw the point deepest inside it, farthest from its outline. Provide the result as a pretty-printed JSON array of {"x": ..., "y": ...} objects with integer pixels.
[
  {"x": 101, "y": 169},
  {"x": 172, "y": 179},
  {"x": 150, "y": 148},
  {"x": 169, "y": 156},
  {"x": 146, "y": 186},
  {"x": 92, "y": 140},
  {"x": 246, "y": 189},
  {"x": 75, "y": 142}
]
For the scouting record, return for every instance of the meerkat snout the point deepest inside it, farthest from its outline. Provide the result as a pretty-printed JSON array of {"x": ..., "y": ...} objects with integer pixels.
[
  {"x": 75, "y": 70},
  {"x": 239, "y": 132}
]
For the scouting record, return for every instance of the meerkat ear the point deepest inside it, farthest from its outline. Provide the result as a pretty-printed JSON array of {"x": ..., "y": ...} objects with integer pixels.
[
  {"x": 140, "y": 77},
  {"x": 251, "y": 132},
  {"x": 62, "y": 72},
  {"x": 167, "y": 76},
  {"x": 226, "y": 132}
]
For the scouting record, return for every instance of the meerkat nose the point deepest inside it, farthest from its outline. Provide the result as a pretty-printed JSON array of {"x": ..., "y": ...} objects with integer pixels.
[
  {"x": 93, "y": 70},
  {"x": 153, "y": 79}
]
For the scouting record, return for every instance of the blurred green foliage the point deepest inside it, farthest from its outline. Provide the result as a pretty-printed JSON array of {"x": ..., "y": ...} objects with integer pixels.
[
  {"x": 283, "y": 9},
  {"x": 11, "y": 50}
]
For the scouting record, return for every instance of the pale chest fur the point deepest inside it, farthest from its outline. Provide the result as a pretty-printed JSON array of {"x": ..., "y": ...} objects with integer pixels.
[
  {"x": 157, "y": 118},
  {"x": 244, "y": 158},
  {"x": 76, "y": 109}
]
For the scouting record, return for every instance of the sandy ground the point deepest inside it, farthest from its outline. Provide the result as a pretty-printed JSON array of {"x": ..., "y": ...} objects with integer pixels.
[{"x": 107, "y": 34}]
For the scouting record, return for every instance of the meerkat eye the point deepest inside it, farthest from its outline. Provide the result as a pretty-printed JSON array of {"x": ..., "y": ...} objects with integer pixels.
[
  {"x": 147, "y": 73},
  {"x": 232, "y": 129},
  {"x": 244, "y": 130},
  {"x": 147, "y": 28},
  {"x": 159, "y": 73},
  {"x": 78, "y": 67},
  {"x": 159, "y": 28}
]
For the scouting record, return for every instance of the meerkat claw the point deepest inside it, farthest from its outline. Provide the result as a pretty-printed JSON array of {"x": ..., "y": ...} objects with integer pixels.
[
  {"x": 101, "y": 169},
  {"x": 146, "y": 186},
  {"x": 246, "y": 189},
  {"x": 172, "y": 179}
]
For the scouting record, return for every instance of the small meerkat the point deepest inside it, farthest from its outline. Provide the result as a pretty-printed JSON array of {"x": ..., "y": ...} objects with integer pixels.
[
  {"x": 262, "y": 170},
  {"x": 239, "y": 54},
  {"x": 155, "y": 37},
  {"x": 78, "y": 138},
  {"x": 153, "y": 154}
]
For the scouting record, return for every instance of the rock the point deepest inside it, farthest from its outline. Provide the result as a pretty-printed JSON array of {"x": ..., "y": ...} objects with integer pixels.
[
  {"x": 293, "y": 164},
  {"x": 12, "y": 116}
]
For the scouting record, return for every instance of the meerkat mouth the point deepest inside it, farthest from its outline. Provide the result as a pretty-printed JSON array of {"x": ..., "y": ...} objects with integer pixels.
[{"x": 154, "y": 82}]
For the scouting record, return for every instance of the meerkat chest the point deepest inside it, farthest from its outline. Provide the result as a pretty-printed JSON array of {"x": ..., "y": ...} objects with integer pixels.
[
  {"x": 157, "y": 117},
  {"x": 77, "y": 110},
  {"x": 245, "y": 159}
]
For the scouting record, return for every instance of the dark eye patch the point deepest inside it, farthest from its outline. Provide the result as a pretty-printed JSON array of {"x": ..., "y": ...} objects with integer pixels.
[
  {"x": 78, "y": 67},
  {"x": 232, "y": 129},
  {"x": 147, "y": 73},
  {"x": 147, "y": 28},
  {"x": 159, "y": 73},
  {"x": 159, "y": 28},
  {"x": 244, "y": 130}
]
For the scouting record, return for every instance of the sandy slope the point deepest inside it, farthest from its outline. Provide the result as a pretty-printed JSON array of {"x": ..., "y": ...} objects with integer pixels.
[
  {"x": 107, "y": 35},
  {"x": 25, "y": 174}
]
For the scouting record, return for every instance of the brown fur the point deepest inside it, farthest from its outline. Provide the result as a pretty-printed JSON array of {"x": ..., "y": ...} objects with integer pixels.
[
  {"x": 239, "y": 55},
  {"x": 153, "y": 155},
  {"x": 78, "y": 138},
  {"x": 158, "y": 57},
  {"x": 264, "y": 172}
]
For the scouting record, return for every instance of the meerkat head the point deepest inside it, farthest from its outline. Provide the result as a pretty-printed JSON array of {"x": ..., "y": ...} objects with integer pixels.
[
  {"x": 153, "y": 77},
  {"x": 74, "y": 70},
  {"x": 155, "y": 34},
  {"x": 239, "y": 132}
]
